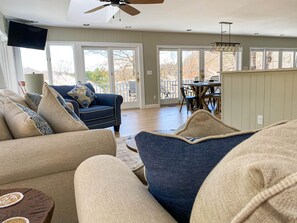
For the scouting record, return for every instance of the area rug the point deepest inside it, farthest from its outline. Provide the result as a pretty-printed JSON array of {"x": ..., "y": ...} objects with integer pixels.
[{"x": 131, "y": 159}]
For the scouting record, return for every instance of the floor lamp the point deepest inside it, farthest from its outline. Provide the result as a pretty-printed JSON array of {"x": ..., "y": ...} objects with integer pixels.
[{"x": 34, "y": 83}]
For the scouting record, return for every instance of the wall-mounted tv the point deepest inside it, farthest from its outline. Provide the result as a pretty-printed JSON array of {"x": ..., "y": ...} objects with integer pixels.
[{"x": 22, "y": 35}]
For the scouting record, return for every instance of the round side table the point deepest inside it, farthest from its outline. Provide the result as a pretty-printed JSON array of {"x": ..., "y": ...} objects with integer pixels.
[{"x": 36, "y": 206}]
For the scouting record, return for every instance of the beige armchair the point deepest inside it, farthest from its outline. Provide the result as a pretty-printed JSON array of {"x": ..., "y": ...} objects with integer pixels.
[{"x": 48, "y": 163}]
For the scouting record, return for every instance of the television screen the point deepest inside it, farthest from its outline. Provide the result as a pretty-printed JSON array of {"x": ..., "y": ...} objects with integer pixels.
[{"x": 22, "y": 35}]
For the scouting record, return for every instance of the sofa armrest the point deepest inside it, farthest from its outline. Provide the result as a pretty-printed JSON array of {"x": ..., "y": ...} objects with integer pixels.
[
  {"x": 34, "y": 157},
  {"x": 113, "y": 100},
  {"x": 75, "y": 106},
  {"x": 106, "y": 190}
]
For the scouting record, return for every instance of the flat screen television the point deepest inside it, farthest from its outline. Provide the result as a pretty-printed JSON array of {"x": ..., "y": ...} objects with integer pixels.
[{"x": 22, "y": 35}]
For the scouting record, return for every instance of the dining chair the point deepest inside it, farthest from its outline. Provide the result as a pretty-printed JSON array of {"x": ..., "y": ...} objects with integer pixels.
[
  {"x": 189, "y": 99},
  {"x": 214, "y": 96}
]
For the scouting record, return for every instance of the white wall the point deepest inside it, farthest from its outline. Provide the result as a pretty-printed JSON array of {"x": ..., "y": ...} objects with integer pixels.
[{"x": 2, "y": 23}]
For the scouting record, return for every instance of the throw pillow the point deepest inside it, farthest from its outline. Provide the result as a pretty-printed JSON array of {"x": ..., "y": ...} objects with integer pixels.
[
  {"x": 56, "y": 112},
  {"x": 4, "y": 130},
  {"x": 255, "y": 182},
  {"x": 175, "y": 167},
  {"x": 24, "y": 122},
  {"x": 33, "y": 100},
  {"x": 82, "y": 94},
  {"x": 202, "y": 123},
  {"x": 12, "y": 96}
]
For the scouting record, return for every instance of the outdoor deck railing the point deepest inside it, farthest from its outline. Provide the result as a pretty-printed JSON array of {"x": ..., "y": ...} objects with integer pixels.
[{"x": 169, "y": 89}]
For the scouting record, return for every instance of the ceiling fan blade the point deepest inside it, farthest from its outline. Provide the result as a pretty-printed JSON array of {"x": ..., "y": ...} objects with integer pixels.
[
  {"x": 97, "y": 8},
  {"x": 129, "y": 9},
  {"x": 144, "y": 1}
]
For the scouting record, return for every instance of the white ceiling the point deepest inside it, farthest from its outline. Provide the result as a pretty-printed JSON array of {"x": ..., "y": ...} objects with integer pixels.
[{"x": 271, "y": 18}]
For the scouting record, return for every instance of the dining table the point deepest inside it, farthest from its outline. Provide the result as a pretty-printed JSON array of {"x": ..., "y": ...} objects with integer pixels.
[{"x": 201, "y": 89}]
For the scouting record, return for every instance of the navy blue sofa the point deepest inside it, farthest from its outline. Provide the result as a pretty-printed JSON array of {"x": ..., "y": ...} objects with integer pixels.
[{"x": 105, "y": 110}]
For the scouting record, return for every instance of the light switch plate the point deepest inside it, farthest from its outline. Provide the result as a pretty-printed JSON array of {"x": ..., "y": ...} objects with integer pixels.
[{"x": 149, "y": 72}]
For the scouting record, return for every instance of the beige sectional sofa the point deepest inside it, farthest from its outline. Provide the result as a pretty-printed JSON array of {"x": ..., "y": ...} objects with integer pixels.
[
  {"x": 255, "y": 182},
  {"x": 48, "y": 163}
]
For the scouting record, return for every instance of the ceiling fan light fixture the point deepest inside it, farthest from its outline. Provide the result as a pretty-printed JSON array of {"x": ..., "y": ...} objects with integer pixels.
[{"x": 225, "y": 46}]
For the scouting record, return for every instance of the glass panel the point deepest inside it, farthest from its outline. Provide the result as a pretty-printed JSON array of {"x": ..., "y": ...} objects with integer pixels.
[
  {"x": 168, "y": 74},
  {"x": 229, "y": 61},
  {"x": 288, "y": 59},
  {"x": 34, "y": 61},
  {"x": 125, "y": 74},
  {"x": 256, "y": 60},
  {"x": 211, "y": 64},
  {"x": 272, "y": 58},
  {"x": 62, "y": 65},
  {"x": 190, "y": 65},
  {"x": 97, "y": 72}
]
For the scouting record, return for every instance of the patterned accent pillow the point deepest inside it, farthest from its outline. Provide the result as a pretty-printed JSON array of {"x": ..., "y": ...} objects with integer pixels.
[
  {"x": 33, "y": 100},
  {"x": 56, "y": 112},
  {"x": 23, "y": 122},
  {"x": 82, "y": 94}
]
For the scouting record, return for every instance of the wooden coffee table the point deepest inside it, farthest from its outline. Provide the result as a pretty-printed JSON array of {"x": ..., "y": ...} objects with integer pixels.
[
  {"x": 131, "y": 144},
  {"x": 35, "y": 206}
]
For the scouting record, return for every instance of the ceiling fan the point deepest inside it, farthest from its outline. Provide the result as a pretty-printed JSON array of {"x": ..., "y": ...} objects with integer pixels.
[{"x": 124, "y": 5}]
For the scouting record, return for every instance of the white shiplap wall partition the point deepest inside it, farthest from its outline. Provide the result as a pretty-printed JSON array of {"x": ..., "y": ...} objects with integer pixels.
[{"x": 247, "y": 94}]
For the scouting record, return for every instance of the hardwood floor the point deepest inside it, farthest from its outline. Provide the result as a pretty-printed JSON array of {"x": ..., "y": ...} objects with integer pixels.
[{"x": 164, "y": 118}]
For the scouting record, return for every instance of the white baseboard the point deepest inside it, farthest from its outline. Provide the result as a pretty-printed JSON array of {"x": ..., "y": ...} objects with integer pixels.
[{"x": 153, "y": 106}]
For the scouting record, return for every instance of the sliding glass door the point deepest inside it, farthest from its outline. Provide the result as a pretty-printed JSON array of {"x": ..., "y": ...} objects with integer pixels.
[
  {"x": 178, "y": 66},
  {"x": 114, "y": 70},
  {"x": 169, "y": 75}
]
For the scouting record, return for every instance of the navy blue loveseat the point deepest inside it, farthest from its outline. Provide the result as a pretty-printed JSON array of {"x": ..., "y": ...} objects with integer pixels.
[{"x": 105, "y": 110}]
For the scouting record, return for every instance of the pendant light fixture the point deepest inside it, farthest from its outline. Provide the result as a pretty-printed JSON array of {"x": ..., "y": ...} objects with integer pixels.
[{"x": 225, "y": 46}]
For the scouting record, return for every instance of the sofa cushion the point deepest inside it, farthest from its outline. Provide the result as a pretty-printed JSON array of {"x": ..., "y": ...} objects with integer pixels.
[
  {"x": 82, "y": 94},
  {"x": 96, "y": 112},
  {"x": 55, "y": 110},
  {"x": 23, "y": 122},
  {"x": 255, "y": 182},
  {"x": 5, "y": 132},
  {"x": 12, "y": 96},
  {"x": 176, "y": 167},
  {"x": 33, "y": 100}
]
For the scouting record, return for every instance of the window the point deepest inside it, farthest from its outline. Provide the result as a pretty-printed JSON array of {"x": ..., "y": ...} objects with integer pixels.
[
  {"x": 168, "y": 74},
  {"x": 60, "y": 70},
  {"x": 272, "y": 58},
  {"x": 229, "y": 61},
  {"x": 62, "y": 62},
  {"x": 257, "y": 60},
  {"x": 97, "y": 71},
  {"x": 211, "y": 64},
  {"x": 190, "y": 65},
  {"x": 34, "y": 61},
  {"x": 288, "y": 59}
]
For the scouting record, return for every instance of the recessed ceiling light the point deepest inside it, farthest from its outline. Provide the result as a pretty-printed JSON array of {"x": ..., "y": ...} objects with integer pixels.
[
  {"x": 128, "y": 27},
  {"x": 86, "y": 24},
  {"x": 189, "y": 30}
]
